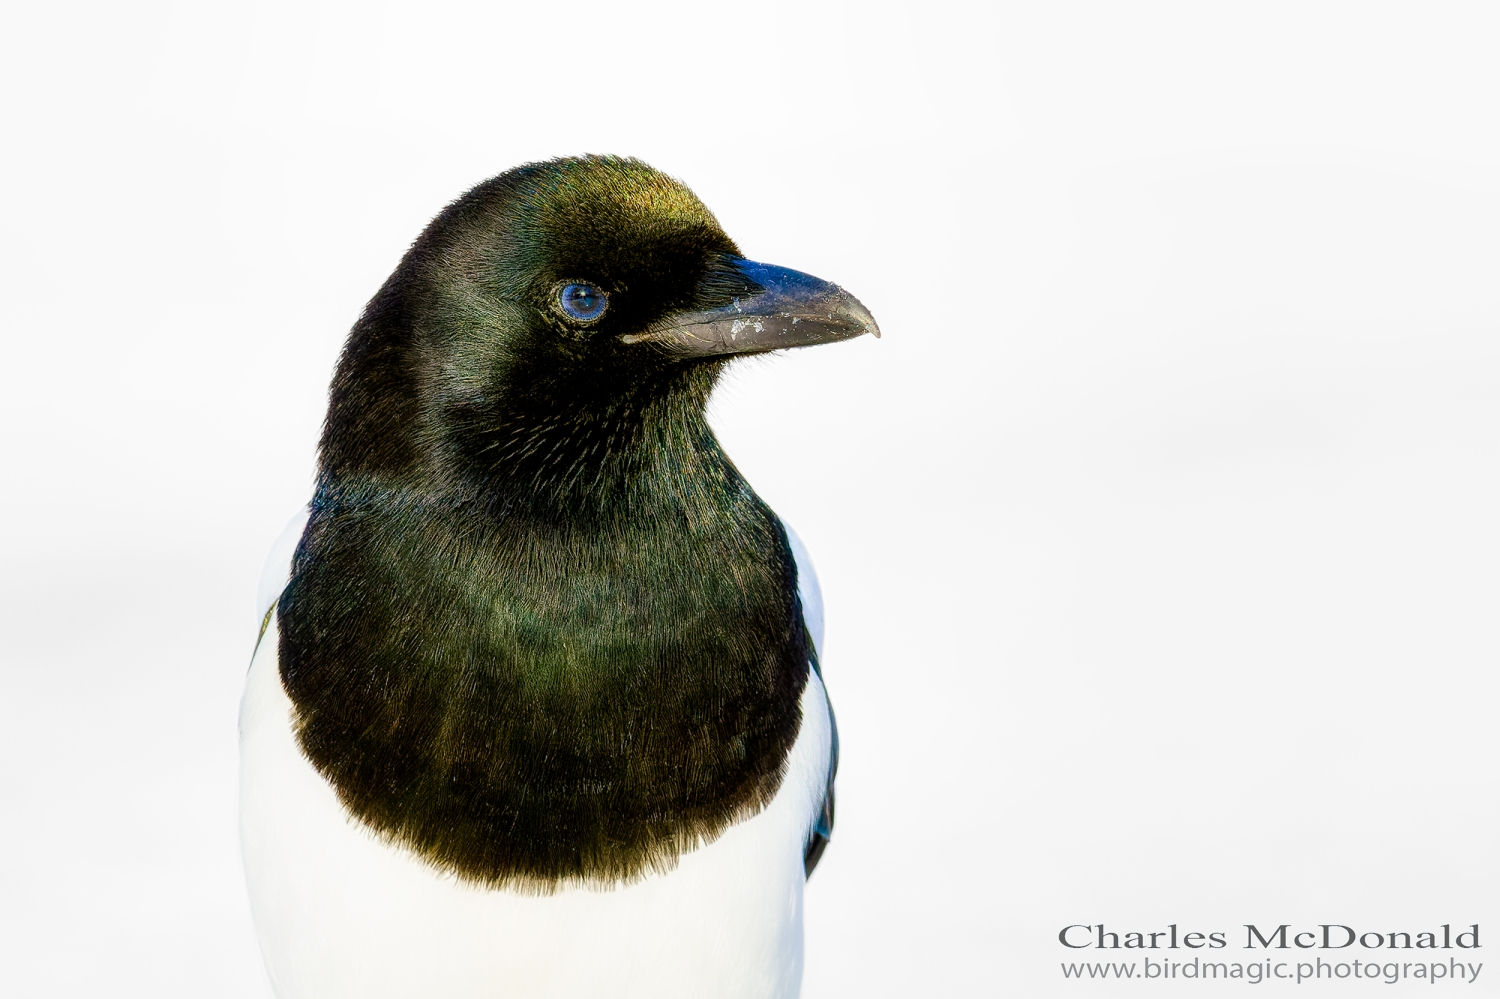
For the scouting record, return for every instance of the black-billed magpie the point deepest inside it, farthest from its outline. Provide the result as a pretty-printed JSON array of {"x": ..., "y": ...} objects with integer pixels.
[{"x": 536, "y": 709}]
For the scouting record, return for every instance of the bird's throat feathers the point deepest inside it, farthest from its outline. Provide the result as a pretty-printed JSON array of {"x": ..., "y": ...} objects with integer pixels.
[{"x": 533, "y": 701}]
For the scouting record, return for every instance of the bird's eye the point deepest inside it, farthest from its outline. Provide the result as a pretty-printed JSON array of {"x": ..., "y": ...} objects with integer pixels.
[{"x": 583, "y": 302}]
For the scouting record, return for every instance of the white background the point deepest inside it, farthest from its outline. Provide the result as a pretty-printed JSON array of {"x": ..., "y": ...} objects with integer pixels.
[{"x": 1158, "y": 535}]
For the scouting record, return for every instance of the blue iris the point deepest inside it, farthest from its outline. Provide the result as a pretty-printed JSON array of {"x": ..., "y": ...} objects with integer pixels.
[{"x": 583, "y": 302}]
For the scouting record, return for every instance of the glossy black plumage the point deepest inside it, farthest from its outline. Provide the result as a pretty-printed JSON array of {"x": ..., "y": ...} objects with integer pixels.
[{"x": 539, "y": 629}]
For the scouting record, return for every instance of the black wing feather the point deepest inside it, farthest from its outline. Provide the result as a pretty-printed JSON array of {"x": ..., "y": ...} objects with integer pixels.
[{"x": 822, "y": 830}]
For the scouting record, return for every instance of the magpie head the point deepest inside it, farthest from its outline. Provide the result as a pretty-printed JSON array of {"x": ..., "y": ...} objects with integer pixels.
[{"x": 545, "y": 321}]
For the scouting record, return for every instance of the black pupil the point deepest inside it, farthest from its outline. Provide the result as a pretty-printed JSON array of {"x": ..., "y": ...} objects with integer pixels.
[{"x": 582, "y": 301}]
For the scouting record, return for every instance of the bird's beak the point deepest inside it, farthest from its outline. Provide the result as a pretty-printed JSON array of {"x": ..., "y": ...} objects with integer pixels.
[{"x": 779, "y": 308}]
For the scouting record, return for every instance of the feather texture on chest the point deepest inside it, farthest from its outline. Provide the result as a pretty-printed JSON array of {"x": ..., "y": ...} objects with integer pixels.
[
  {"x": 344, "y": 915},
  {"x": 527, "y": 703}
]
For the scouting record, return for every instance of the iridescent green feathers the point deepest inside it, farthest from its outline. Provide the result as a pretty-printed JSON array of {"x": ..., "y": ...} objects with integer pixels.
[{"x": 539, "y": 629}]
